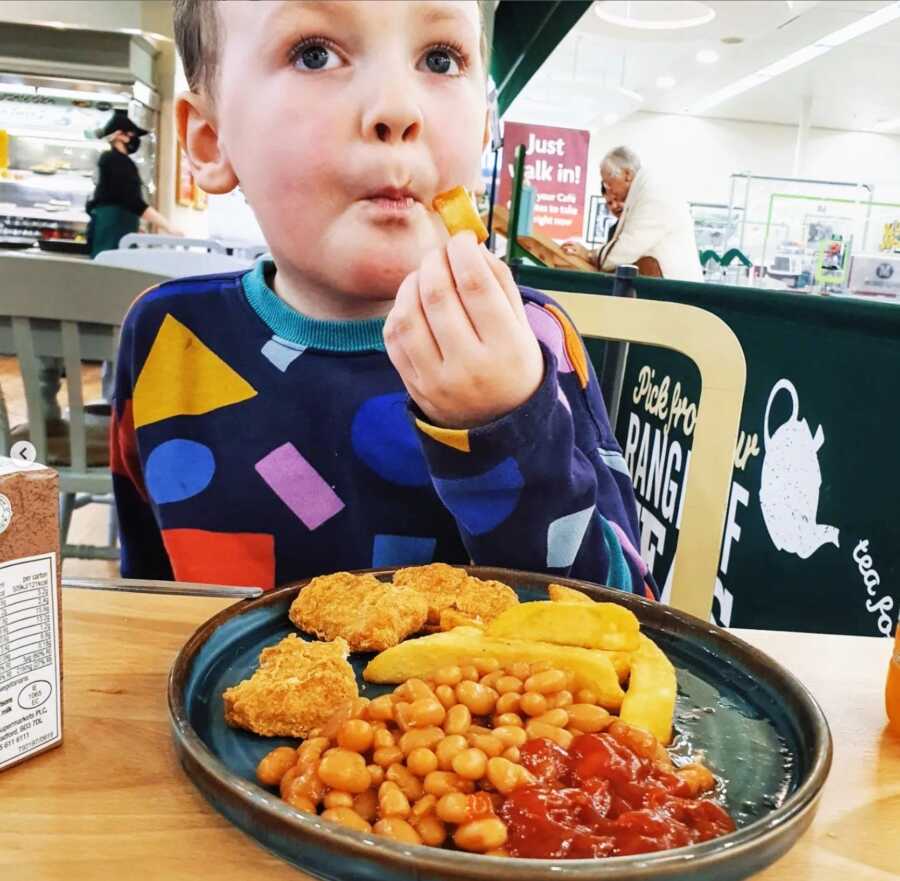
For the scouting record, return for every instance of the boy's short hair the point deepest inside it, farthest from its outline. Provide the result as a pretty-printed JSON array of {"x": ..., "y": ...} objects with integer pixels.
[{"x": 197, "y": 33}]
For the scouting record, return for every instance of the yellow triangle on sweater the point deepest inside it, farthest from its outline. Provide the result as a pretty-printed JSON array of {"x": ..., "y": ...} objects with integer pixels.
[
  {"x": 458, "y": 438},
  {"x": 182, "y": 376}
]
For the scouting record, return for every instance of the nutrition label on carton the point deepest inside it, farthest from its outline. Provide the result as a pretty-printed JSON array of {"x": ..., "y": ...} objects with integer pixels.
[{"x": 29, "y": 657}]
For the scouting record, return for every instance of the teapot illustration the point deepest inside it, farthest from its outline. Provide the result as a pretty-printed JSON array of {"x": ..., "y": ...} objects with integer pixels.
[{"x": 791, "y": 480}]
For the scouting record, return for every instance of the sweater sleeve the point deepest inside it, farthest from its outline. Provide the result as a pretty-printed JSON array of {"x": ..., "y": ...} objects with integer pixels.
[
  {"x": 143, "y": 554},
  {"x": 545, "y": 488}
]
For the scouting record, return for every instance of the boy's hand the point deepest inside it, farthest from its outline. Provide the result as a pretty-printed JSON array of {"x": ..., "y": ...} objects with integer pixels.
[{"x": 459, "y": 338}]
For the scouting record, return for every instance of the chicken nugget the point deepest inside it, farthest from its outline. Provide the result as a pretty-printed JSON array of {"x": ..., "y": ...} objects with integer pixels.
[
  {"x": 370, "y": 614},
  {"x": 295, "y": 690},
  {"x": 437, "y": 582}
]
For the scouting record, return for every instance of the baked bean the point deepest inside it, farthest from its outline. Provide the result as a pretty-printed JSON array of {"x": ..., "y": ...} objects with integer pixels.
[
  {"x": 337, "y": 799},
  {"x": 424, "y": 806},
  {"x": 512, "y": 753},
  {"x": 641, "y": 742},
  {"x": 418, "y": 690},
  {"x": 387, "y": 756},
  {"x": 481, "y": 835},
  {"x": 469, "y": 673},
  {"x": 353, "y": 709},
  {"x": 432, "y": 831},
  {"x": 546, "y": 682},
  {"x": 401, "y": 715},
  {"x": 538, "y": 667},
  {"x": 497, "y": 852},
  {"x": 490, "y": 680},
  {"x": 273, "y": 766},
  {"x": 448, "y": 748},
  {"x": 446, "y": 695},
  {"x": 346, "y": 817},
  {"x": 476, "y": 697},
  {"x": 520, "y": 670},
  {"x": 507, "y": 684},
  {"x": 451, "y": 676},
  {"x": 508, "y": 703},
  {"x": 457, "y": 807},
  {"x": 310, "y": 751},
  {"x": 391, "y": 800},
  {"x": 301, "y": 803},
  {"x": 588, "y": 717},
  {"x": 366, "y": 804},
  {"x": 355, "y": 735},
  {"x": 697, "y": 777},
  {"x": 510, "y": 735},
  {"x": 533, "y": 704},
  {"x": 376, "y": 772},
  {"x": 289, "y": 776},
  {"x": 421, "y": 761},
  {"x": 345, "y": 770},
  {"x": 570, "y": 679},
  {"x": 470, "y": 764},
  {"x": 535, "y": 729},
  {"x": 381, "y": 709},
  {"x": 486, "y": 665},
  {"x": 575, "y": 732},
  {"x": 585, "y": 696},
  {"x": 415, "y": 738},
  {"x": 441, "y": 782},
  {"x": 504, "y": 775},
  {"x": 489, "y": 744},
  {"x": 399, "y": 830},
  {"x": 409, "y": 784},
  {"x": 382, "y": 738},
  {"x": 424, "y": 712},
  {"x": 458, "y": 719},
  {"x": 561, "y": 699},
  {"x": 307, "y": 784},
  {"x": 479, "y": 729},
  {"x": 559, "y": 718}
]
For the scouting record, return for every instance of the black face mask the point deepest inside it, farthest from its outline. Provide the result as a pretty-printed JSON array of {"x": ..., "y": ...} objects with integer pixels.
[{"x": 133, "y": 145}]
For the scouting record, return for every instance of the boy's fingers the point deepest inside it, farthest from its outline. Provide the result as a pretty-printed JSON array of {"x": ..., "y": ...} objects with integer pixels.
[
  {"x": 507, "y": 283},
  {"x": 483, "y": 298},
  {"x": 406, "y": 328},
  {"x": 442, "y": 307}
]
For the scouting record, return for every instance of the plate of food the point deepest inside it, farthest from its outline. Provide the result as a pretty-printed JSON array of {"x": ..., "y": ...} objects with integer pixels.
[{"x": 441, "y": 722}]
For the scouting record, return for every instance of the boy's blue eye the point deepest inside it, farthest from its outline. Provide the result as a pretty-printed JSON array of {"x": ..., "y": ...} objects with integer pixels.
[
  {"x": 441, "y": 61},
  {"x": 315, "y": 56}
]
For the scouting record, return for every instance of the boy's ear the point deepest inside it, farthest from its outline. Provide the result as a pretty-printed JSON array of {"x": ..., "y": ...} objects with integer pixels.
[{"x": 199, "y": 139}]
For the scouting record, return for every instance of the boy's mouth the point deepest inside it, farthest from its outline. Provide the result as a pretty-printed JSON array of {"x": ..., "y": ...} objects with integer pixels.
[{"x": 392, "y": 199}]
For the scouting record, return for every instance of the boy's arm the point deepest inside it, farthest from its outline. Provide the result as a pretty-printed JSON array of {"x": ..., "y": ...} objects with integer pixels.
[{"x": 142, "y": 552}]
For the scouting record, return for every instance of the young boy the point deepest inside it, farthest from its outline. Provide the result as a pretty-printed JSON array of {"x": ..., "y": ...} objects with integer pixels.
[{"x": 375, "y": 395}]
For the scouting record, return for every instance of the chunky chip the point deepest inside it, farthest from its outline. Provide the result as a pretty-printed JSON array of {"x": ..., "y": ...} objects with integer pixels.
[
  {"x": 650, "y": 700},
  {"x": 606, "y": 626},
  {"x": 560, "y": 594},
  {"x": 458, "y": 213},
  {"x": 420, "y": 657}
]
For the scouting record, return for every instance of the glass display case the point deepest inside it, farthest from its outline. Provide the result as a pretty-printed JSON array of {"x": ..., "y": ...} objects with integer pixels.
[{"x": 48, "y": 168}]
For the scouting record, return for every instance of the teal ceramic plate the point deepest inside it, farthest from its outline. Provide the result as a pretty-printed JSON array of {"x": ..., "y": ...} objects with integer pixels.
[{"x": 753, "y": 723}]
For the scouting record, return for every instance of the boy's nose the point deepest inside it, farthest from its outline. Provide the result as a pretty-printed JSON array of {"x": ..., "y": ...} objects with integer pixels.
[{"x": 392, "y": 117}]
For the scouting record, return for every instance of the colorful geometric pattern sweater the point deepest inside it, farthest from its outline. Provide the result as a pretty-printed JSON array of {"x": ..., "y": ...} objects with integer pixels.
[{"x": 252, "y": 445}]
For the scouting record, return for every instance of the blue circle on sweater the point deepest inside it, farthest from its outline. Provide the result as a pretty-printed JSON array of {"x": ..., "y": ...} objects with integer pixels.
[
  {"x": 178, "y": 469},
  {"x": 383, "y": 437}
]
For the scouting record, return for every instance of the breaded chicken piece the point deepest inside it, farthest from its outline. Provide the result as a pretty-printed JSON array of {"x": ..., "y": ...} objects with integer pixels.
[
  {"x": 370, "y": 614},
  {"x": 450, "y": 588},
  {"x": 295, "y": 690}
]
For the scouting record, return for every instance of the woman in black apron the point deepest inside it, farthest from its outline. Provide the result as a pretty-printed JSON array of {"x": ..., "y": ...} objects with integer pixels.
[{"x": 117, "y": 205}]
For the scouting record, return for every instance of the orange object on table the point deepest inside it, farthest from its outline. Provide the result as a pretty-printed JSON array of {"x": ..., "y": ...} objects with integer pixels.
[{"x": 892, "y": 690}]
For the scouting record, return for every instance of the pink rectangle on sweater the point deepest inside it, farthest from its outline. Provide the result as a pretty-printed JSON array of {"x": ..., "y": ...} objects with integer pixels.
[{"x": 299, "y": 485}]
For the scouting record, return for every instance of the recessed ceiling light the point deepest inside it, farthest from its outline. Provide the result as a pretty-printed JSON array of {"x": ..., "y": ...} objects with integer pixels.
[
  {"x": 610, "y": 118},
  {"x": 707, "y": 56},
  {"x": 666, "y": 82},
  {"x": 653, "y": 15}
]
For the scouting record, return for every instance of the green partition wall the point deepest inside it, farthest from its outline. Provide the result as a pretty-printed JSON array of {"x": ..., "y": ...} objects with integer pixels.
[{"x": 812, "y": 540}]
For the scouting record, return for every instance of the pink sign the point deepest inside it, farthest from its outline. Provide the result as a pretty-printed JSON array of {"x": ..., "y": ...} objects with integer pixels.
[{"x": 556, "y": 167}]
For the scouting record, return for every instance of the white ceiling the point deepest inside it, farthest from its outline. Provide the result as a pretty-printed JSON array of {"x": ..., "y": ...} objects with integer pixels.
[{"x": 600, "y": 71}]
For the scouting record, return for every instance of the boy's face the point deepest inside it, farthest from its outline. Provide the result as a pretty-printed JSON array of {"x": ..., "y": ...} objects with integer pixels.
[{"x": 341, "y": 122}]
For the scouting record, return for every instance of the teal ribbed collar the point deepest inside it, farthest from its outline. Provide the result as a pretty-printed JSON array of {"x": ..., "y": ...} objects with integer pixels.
[{"x": 362, "y": 335}]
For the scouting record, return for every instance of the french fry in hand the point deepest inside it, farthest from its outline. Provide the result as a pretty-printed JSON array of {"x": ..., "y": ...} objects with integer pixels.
[
  {"x": 606, "y": 626},
  {"x": 560, "y": 594},
  {"x": 458, "y": 213},
  {"x": 650, "y": 700},
  {"x": 421, "y": 657}
]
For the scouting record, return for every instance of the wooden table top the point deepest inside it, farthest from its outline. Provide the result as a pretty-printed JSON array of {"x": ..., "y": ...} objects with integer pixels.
[{"x": 113, "y": 802}]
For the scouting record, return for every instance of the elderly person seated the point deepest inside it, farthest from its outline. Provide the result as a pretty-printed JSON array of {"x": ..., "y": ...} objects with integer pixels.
[{"x": 654, "y": 225}]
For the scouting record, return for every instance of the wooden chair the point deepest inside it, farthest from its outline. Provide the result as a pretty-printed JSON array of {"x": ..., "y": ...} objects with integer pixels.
[
  {"x": 713, "y": 347},
  {"x": 57, "y": 313}
]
